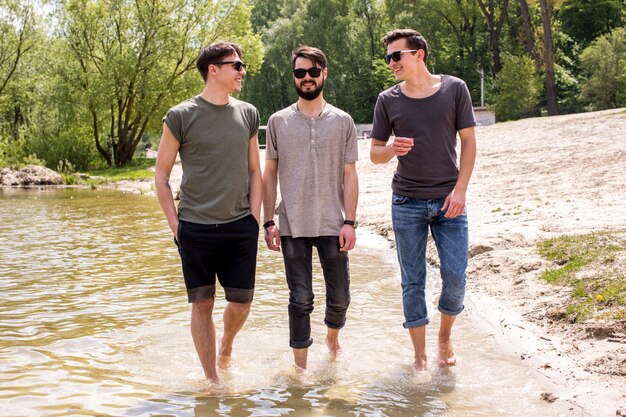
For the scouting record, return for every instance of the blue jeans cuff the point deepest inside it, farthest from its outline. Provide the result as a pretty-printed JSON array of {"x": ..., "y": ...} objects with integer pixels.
[
  {"x": 301, "y": 345},
  {"x": 416, "y": 323},
  {"x": 451, "y": 313}
]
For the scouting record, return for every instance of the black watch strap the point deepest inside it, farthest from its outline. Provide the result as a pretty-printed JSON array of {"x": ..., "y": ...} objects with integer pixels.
[
  {"x": 352, "y": 223},
  {"x": 268, "y": 224}
]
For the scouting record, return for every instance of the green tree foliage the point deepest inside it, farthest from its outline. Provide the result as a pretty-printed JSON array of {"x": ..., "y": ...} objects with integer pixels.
[
  {"x": 604, "y": 65},
  {"x": 128, "y": 61},
  {"x": 585, "y": 20},
  {"x": 20, "y": 37},
  {"x": 517, "y": 89}
]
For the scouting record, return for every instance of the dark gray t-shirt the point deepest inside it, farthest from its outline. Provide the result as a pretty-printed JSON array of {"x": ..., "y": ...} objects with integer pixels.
[
  {"x": 214, "y": 142},
  {"x": 430, "y": 169}
]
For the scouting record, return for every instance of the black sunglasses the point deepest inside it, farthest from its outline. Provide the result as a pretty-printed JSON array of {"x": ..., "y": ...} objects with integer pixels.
[
  {"x": 313, "y": 72},
  {"x": 397, "y": 55},
  {"x": 238, "y": 65}
]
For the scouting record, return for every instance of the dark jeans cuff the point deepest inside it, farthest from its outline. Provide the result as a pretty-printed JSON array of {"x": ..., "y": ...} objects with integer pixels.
[
  {"x": 239, "y": 295},
  {"x": 301, "y": 345},
  {"x": 200, "y": 293},
  {"x": 333, "y": 325}
]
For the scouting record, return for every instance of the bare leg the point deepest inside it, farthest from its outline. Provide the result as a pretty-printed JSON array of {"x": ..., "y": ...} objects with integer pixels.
[
  {"x": 418, "y": 337},
  {"x": 300, "y": 357},
  {"x": 203, "y": 334},
  {"x": 235, "y": 315},
  {"x": 332, "y": 342},
  {"x": 446, "y": 352}
]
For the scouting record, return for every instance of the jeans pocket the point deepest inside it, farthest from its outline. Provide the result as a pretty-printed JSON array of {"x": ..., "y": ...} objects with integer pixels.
[
  {"x": 397, "y": 199},
  {"x": 177, "y": 241}
]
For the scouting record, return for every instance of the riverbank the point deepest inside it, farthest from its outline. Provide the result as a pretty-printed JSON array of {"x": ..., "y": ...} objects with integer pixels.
[{"x": 534, "y": 179}]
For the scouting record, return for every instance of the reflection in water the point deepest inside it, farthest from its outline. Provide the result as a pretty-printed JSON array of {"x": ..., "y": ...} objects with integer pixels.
[{"x": 94, "y": 321}]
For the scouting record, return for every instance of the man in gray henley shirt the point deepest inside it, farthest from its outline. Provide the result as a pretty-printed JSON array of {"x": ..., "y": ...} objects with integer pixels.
[{"x": 311, "y": 146}]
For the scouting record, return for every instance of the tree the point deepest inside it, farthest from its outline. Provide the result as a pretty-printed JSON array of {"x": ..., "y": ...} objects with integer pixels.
[
  {"x": 518, "y": 89},
  {"x": 19, "y": 36},
  {"x": 129, "y": 60},
  {"x": 604, "y": 64},
  {"x": 494, "y": 27},
  {"x": 548, "y": 57},
  {"x": 585, "y": 20}
]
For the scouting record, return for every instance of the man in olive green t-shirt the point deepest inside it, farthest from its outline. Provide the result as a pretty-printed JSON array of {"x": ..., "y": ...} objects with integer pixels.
[{"x": 216, "y": 225}]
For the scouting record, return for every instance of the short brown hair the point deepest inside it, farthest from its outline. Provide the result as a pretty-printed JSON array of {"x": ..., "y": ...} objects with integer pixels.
[
  {"x": 215, "y": 53},
  {"x": 414, "y": 39},
  {"x": 315, "y": 55}
]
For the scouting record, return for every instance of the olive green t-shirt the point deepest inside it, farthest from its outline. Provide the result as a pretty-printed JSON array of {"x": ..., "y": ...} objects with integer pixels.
[{"x": 214, "y": 142}]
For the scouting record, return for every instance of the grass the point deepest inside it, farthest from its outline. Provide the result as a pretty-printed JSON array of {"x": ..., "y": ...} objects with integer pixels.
[
  {"x": 136, "y": 170},
  {"x": 593, "y": 265}
]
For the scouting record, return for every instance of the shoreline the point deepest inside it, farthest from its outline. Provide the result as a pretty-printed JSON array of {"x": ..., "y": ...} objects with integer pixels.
[{"x": 534, "y": 179}]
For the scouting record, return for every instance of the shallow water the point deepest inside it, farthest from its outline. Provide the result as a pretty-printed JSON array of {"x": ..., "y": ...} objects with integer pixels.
[{"x": 94, "y": 322}]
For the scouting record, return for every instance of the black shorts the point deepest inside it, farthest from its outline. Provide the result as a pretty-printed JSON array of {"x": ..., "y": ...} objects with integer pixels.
[{"x": 227, "y": 251}]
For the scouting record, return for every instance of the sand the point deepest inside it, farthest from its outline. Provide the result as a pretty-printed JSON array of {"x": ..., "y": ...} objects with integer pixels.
[{"x": 534, "y": 179}]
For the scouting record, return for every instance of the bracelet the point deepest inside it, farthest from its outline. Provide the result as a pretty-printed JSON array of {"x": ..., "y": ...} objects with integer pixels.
[{"x": 268, "y": 224}]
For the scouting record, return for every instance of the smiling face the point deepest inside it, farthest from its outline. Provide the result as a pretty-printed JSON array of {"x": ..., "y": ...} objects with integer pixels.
[
  {"x": 408, "y": 63},
  {"x": 308, "y": 88},
  {"x": 227, "y": 75}
]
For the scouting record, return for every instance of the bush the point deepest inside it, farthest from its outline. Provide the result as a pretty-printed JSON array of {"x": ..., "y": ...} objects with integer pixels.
[
  {"x": 71, "y": 145},
  {"x": 517, "y": 89},
  {"x": 604, "y": 66}
]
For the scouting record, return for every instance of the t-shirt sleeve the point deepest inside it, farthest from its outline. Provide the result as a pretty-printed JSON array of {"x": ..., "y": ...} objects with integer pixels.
[
  {"x": 174, "y": 122},
  {"x": 271, "y": 150},
  {"x": 381, "y": 128},
  {"x": 464, "y": 109},
  {"x": 352, "y": 146},
  {"x": 256, "y": 121}
]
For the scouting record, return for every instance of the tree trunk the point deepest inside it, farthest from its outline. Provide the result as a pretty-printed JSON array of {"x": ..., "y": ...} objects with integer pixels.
[
  {"x": 529, "y": 40},
  {"x": 548, "y": 58},
  {"x": 495, "y": 29}
]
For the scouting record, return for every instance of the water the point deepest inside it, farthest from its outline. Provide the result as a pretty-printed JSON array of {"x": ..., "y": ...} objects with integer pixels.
[{"x": 94, "y": 322}]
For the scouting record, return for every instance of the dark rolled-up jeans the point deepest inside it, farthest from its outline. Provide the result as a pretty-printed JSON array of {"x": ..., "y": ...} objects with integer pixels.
[{"x": 297, "y": 254}]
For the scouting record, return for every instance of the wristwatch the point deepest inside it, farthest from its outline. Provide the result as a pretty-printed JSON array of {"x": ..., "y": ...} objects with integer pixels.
[{"x": 352, "y": 223}]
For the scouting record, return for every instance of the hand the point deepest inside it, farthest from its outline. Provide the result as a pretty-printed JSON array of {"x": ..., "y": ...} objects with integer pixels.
[
  {"x": 455, "y": 203},
  {"x": 174, "y": 229},
  {"x": 401, "y": 145},
  {"x": 347, "y": 238},
  {"x": 272, "y": 238}
]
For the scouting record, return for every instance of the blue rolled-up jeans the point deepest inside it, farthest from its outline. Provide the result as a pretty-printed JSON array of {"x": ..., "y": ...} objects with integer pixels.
[
  {"x": 411, "y": 219},
  {"x": 297, "y": 254}
]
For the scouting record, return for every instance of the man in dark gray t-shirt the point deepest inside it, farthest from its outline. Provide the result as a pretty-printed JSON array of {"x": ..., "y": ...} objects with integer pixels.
[
  {"x": 425, "y": 112},
  {"x": 216, "y": 224}
]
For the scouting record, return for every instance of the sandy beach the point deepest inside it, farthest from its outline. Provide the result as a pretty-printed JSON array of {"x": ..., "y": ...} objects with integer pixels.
[{"x": 534, "y": 179}]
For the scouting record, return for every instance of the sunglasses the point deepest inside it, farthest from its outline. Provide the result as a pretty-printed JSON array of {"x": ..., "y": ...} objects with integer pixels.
[
  {"x": 397, "y": 55},
  {"x": 238, "y": 65},
  {"x": 313, "y": 72}
]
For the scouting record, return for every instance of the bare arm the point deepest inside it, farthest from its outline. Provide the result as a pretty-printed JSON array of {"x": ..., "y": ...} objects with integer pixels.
[
  {"x": 381, "y": 152},
  {"x": 255, "y": 181},
  {"x": 270, "y": 182},
  {"x": 168, "y": 149},
  {"x": 455, "y": 202},
  {"x": 347, "y": 235}
]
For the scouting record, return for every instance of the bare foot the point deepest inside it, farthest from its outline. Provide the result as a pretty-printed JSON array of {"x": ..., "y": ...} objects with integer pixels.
[
  {"x": 332, "y": 342},
  {"x": 446, "y": 354},
  {"x": 420, "y": 364},
  {"x": 223, "y": 356}
]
